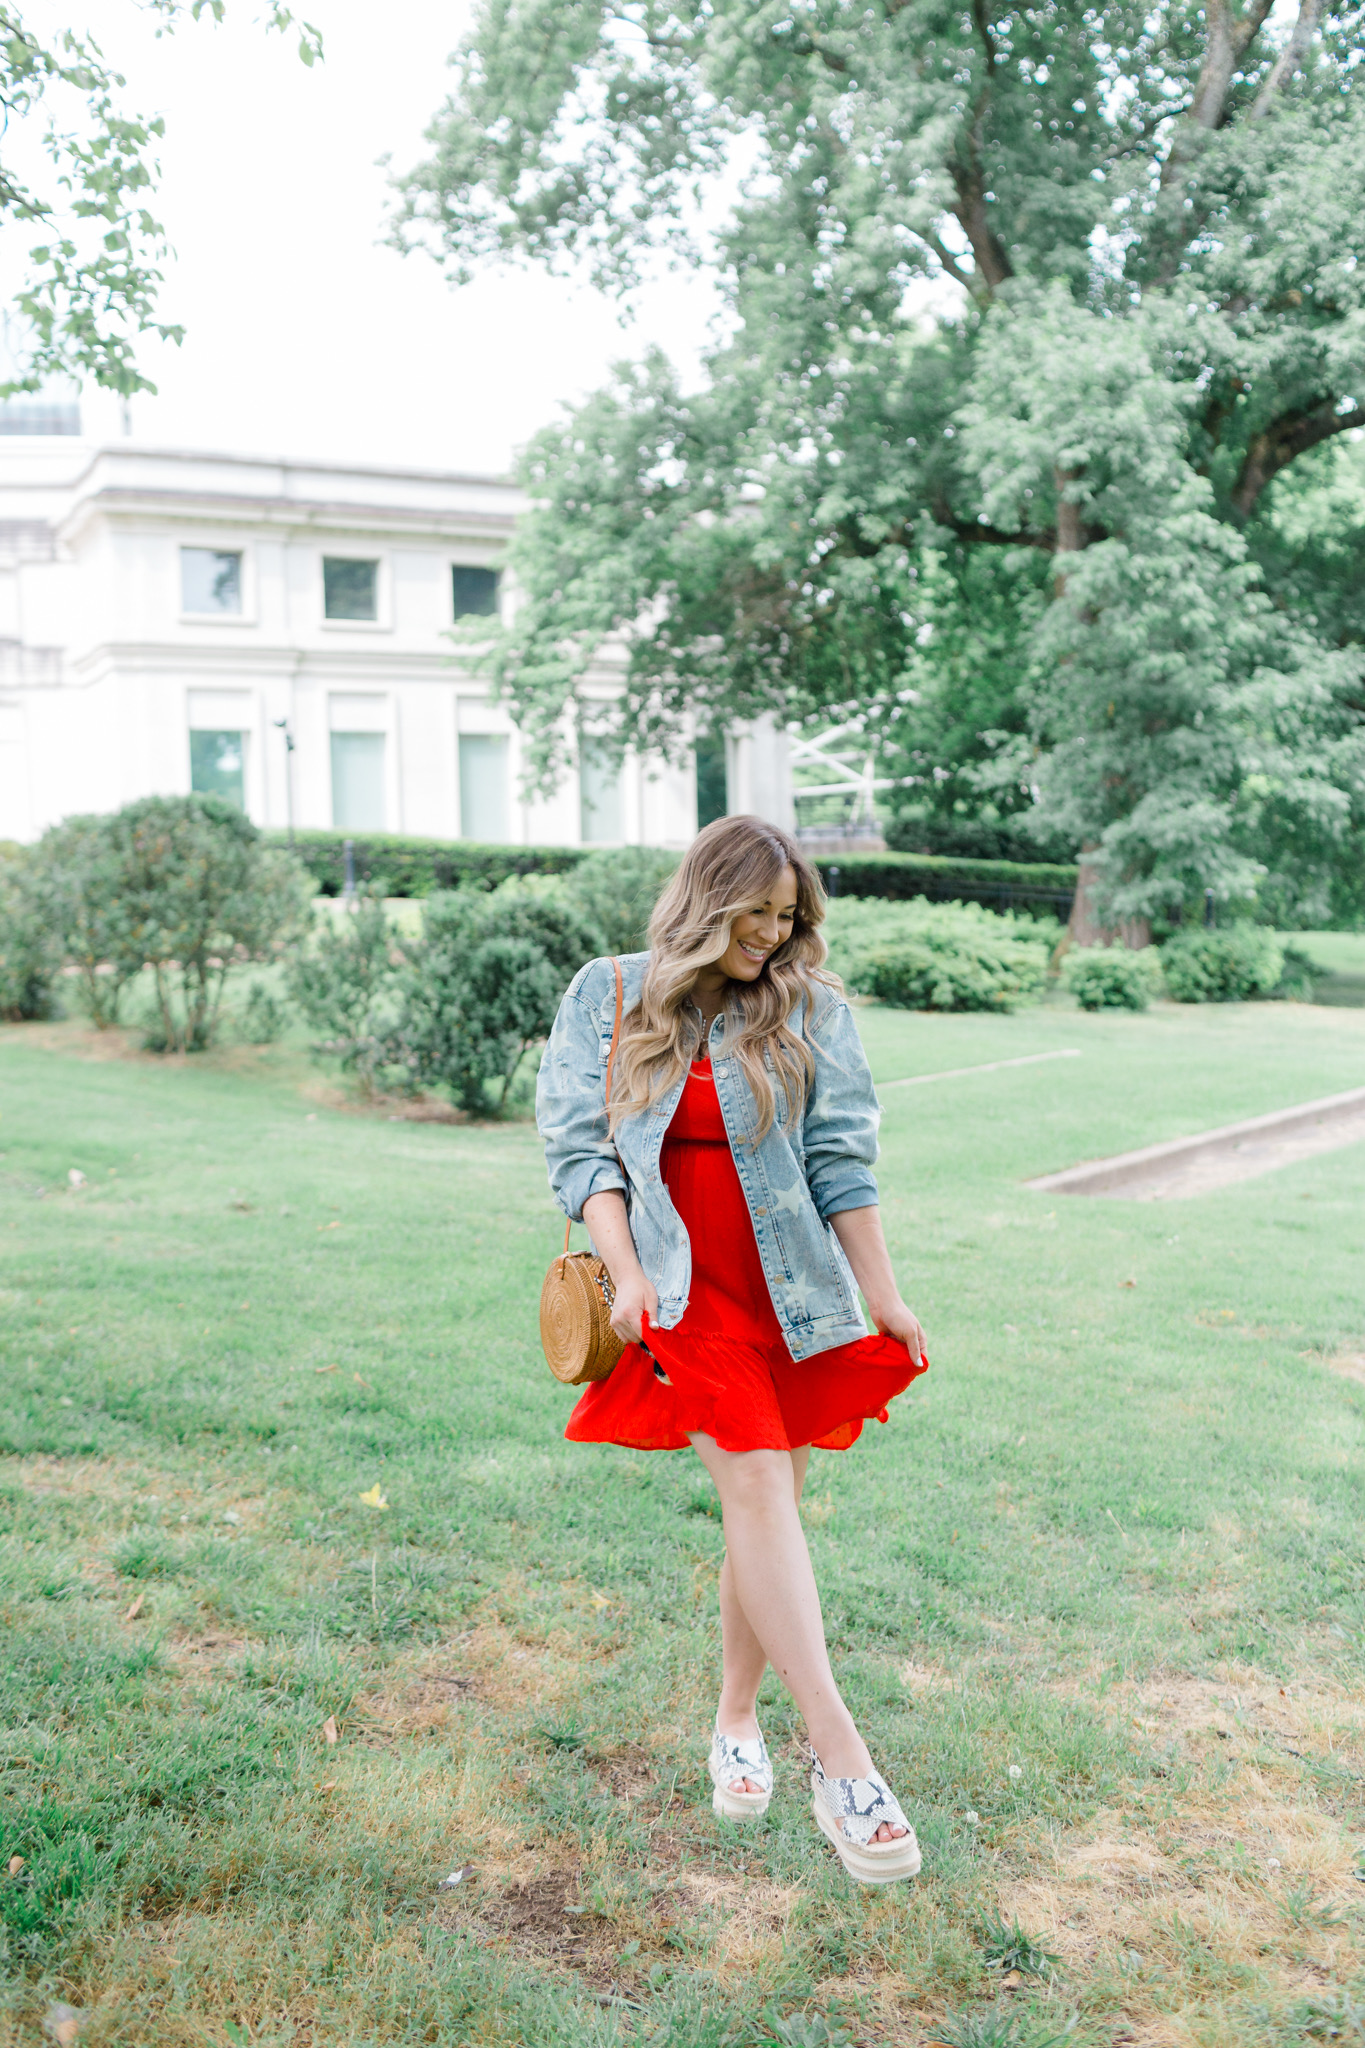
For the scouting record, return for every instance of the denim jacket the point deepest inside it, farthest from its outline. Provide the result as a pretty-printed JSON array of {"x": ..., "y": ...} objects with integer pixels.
[{"x": 794, "y": 1178}]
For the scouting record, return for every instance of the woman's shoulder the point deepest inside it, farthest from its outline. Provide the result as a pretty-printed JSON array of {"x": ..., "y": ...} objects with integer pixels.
[
  {"x": 823, "y": 1004},
  {"x": 595, "y": 981}
]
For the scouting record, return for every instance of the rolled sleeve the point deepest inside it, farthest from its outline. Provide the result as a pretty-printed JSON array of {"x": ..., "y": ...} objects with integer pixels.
[
  {"x": 570, "y": 1107},
  {"x": 842, "y": 1114}
]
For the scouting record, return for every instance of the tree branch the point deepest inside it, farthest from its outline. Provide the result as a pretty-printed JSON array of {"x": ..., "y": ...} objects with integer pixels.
[
  {"x": 1276, "y": 447},
  {"x": 992, "y": 263},
  {"x": 946, "y": 258},
  {"x": 1289, "y": 60},
  {"x": 983, "y": 29},
  {"x": 1229, "y": 39}
]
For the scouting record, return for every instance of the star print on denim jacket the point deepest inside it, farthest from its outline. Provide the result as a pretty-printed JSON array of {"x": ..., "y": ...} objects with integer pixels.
[{"x": 794, "y": 1178}]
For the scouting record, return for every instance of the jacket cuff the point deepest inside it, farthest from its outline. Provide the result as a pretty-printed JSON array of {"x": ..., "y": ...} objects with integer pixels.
[
  {"x": 853, "y": 1187},
  {"x": 586, "y": 1181}
]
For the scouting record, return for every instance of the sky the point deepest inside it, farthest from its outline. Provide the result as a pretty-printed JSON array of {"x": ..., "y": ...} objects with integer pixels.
[{"x": 306, "y": 337}]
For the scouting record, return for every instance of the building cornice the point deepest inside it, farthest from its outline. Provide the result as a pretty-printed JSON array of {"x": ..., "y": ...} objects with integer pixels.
[
  {"x": 382, "y": 665},
  {"x": 287, "y": 517}
]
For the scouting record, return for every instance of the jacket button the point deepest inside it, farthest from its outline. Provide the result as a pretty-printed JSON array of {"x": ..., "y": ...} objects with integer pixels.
[{"x": 760, "y": 1212}]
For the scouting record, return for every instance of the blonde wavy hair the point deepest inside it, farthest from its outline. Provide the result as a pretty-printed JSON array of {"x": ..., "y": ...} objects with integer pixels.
[{"x": 728, "y": 869}]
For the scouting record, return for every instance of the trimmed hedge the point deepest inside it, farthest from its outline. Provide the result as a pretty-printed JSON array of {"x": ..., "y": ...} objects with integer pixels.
[
  {"x": 393, "y": 865},
  {"x": 1042, "y": 886}
]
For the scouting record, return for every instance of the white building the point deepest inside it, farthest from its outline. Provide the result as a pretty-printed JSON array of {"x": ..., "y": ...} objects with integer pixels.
[{"x": 279, "y": 632}]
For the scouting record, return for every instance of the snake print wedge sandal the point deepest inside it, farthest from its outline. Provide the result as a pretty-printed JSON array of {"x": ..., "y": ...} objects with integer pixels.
[
  {"x": 730, "y": 1760},
  {"x": 849, "y": 1811}
]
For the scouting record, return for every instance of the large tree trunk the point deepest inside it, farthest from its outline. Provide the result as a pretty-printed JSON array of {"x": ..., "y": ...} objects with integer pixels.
[{"x": 1085, "y": 927}]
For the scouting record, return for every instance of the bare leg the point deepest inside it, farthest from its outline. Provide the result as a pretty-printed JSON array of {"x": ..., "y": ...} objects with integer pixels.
[
  {"x": 743, "y": 1658},
  {"x": 772, "y": 1582}
]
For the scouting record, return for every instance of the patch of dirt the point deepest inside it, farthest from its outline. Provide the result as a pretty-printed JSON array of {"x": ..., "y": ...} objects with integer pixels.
[
  {"x": 420, "y": 1708},
  {"x": 394, "y": 1109},
  {"x": 924, "y": 1678},
  {"x": 751, "y": 1914},
  {"x": 1349, "y": 1365},
  {"x": 627, "y": 1772},
  {"x": 1253, "y": 1864},
  {"x": 195, "y": 1654}
]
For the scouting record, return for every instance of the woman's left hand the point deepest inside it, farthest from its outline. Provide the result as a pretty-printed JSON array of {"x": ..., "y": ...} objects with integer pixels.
[{"x": 896, "y": 1320}]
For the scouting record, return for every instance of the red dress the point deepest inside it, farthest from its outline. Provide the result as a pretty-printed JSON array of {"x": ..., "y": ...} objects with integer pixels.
[{"x": 725, "y": 1369}]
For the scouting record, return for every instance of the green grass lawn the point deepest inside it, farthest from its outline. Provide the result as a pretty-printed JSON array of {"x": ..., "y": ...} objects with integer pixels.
[
  {"x": 1341, "y": 956},
  {"x": 1096, "y": 1593}
]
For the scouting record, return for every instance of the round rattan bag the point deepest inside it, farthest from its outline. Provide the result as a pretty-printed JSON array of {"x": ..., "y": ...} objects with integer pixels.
[
  {"x": 576, "y": 1299},
  {"x": 575, "y": 1319}
]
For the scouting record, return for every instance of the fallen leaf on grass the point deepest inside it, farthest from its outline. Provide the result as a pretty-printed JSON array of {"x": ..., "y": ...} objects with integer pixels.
[
  {"x": 1128, "y": 1283},
  {"x": 334, "y": 1225},
  {"x": 63, "y": 2023},
  {"x": 75, "y": 1177},
  {"x": 330, "y": 1732},
  {"x": 16, "y": 1864},
  {"x": 374, "y": 1498},
  {"x": 600, "y": 1600},
  {"x": 327, "y": 1368},
  {"x": 136, "y": 1608},
  {"x": 362, "y": 1383},
  {"x": 330, "y": 1786}
]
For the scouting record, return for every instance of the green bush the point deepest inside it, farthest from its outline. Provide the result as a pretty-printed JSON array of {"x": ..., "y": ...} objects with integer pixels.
[
  {"x": 264, "y": 1017},
  {"x": 1111, "y": 977},
  {"x": 30, "y": 957},
  {"x": 183, "y": 885},
  {"x": 391, "y": 864},
  {"x": 454, "y": 1006},
  {"x": 1228, "y": 966},
  {"x": 616, "y": 890},
  {"x": 89, "y": 912},
  {"x": 345, "y": 985},
  {"x": 482, "y": 985},
  {"x": 939, "y": 956},
  {"x": 200, "y": 893}
]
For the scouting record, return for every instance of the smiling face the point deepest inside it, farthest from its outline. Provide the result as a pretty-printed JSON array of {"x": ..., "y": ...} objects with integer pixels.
[{"x": 760, "y": 930}]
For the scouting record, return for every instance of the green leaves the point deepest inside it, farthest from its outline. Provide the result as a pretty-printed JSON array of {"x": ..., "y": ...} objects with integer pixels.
[
  {"x": 1028, "y": 546},
  {"x": 90, "y": 294}
]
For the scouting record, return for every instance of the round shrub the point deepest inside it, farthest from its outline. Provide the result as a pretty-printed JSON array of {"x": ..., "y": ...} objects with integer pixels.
[
  {"x": 1227, "y": 966},
  {"x": 939, "y": 956},
  {"x": 1111, "y": 977}
]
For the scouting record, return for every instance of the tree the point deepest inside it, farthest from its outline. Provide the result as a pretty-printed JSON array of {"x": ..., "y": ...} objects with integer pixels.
[
  {"x": 80, "y": 879},
  {"x": 1143, "y": 228},
  {"x": 29, "y": 956},
  {"x": 92, "y": 280}
]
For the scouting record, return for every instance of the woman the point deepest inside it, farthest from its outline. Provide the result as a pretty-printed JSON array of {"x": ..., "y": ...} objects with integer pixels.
[{"x": 730, "y": 1193}]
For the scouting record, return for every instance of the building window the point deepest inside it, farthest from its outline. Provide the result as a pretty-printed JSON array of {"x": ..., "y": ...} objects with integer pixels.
[
  {"x": 713, "y": 795},
  {"x": 358, "y": 781},
  {"x": 350, "y": 589},
  {"x": 474, "y": 592},
  {"x": 210, "y": 580},
  {"x": 484, "y": 795},
  {"x": 218, "y": 765},
  {"x": 599, "y": 793}
]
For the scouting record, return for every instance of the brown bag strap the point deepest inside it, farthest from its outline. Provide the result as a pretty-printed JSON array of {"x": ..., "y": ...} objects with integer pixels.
[
  {"x": 615, "y": 1032},
  {"x": 611, "y": 1062}
]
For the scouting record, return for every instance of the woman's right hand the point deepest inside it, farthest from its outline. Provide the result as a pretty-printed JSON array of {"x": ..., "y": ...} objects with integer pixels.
[
  {"x": 635, "y": 1298},
  {"x": 607, "y": 1219}
]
